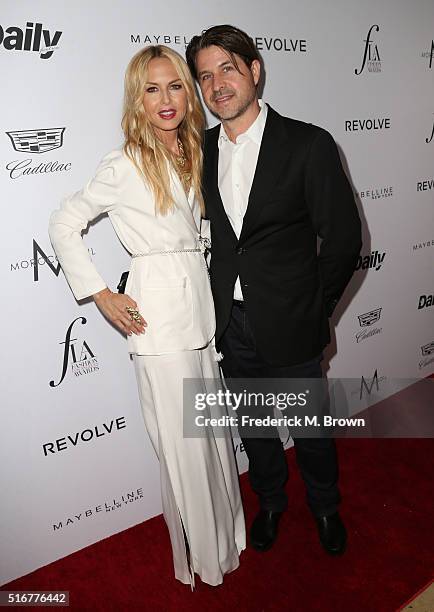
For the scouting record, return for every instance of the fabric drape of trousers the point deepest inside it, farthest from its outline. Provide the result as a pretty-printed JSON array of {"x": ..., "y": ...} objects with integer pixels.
[{"x": 268, "y": 471}]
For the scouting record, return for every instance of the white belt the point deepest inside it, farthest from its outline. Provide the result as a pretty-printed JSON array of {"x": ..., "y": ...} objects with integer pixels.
[
  {"x": 198, "y": 250},
  {"x": 204, "y": 246}
]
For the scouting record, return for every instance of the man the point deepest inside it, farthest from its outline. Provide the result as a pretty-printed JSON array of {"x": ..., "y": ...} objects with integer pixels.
[{"x": 272, "y": 186}]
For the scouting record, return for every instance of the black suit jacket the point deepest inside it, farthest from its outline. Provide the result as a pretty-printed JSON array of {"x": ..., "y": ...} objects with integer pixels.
[{"x": 299, "y": 192}]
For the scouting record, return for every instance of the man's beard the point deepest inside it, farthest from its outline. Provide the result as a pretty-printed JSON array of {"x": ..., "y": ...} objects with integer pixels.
[{"x": 234, "y": 113}]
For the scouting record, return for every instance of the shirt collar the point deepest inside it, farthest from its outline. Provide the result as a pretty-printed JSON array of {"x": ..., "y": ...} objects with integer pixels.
[{"x": 255, "y": 131}]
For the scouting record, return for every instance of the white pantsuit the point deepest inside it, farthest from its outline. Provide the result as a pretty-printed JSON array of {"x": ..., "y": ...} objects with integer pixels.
[{"x": 169, "y": 281}]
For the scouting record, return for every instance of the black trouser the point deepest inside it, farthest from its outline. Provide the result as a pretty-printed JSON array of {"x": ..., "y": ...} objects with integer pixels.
[{"x": 268, "y": 470}]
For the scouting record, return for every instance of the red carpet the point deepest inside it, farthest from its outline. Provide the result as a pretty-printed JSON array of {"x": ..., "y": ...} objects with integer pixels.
[{"x": 388, "y": 507}]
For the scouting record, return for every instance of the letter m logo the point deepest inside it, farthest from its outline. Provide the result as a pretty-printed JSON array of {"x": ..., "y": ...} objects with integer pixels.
[
  {"x": 365, "y": 385},
  {"x": 37, "y": 251}
]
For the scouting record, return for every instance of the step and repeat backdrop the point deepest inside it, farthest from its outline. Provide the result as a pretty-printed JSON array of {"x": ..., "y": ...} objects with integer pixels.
[{"x": 76, "y": 462}]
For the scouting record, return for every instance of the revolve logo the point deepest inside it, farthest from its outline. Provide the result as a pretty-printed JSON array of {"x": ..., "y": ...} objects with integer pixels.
[
  {"x": 33, "y": 38},
  {"x": 367, "y": 125},
  {"x": 425, "y": 185},
  {"x": 270, "y": 43},
  {"x": 83, "y": 358},
  {"x": 86, "y": 435},
  {"x": 371, "y": 56},
  {"x": 36, "y": 141}
]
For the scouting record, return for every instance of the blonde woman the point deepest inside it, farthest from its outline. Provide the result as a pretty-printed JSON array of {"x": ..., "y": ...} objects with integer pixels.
[{"x": 151, "y": 191}]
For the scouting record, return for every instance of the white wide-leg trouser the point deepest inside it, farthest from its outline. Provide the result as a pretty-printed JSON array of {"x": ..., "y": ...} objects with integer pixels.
[{"x": 199, "y": 479}]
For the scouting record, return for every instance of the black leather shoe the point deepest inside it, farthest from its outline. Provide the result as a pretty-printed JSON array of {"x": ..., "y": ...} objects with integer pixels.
[
  {"x": 264, "y": 529},
  {"x": 332, "y": 533}
]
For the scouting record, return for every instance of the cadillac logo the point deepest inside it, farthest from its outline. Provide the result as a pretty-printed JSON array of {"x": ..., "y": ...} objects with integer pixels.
[
  {"x": 428, "y": 349},
  {"x": 37, "y": 141},
  {"x": 369, "y": 318}
]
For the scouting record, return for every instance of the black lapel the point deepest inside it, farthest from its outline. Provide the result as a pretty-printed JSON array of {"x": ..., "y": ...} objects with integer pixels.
[
  {"x": 213, "y": 203},
  {"x": 273, "y": 154}
]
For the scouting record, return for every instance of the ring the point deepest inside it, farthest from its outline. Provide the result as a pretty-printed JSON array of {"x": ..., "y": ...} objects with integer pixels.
[{"x": 134, "y": 314}]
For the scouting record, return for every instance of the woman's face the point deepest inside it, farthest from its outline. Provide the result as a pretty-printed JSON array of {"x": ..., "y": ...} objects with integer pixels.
[{"x": 165, "y": 97}]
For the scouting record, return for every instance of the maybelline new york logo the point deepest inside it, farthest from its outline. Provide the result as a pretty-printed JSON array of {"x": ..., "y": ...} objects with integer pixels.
[
  {"x": 36, "y": 141},
  {"x": 428, "y": 355},
  {"x": 366, "y": 321},
  {"x": 371, "y": 57},
  {"x": 117, "y": 503},
  {"x": 33, "y": 38},
  {"x": 376, "y": 193},
  {"x": 83, "y": 361},
  {"x": 419, "y": 246}
]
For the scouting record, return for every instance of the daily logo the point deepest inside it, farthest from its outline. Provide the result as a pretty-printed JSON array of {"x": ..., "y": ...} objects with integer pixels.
[
  {"x": 33, "y": 38},
  {"x": 373, "y": 261},
  {"x": 82, "y": 356},
  {"x": 425, "y": 301},
  {"x": 36, "y": 141},
  {"x": 371, "y": 56},
  {"x": 366, "y": 321}
]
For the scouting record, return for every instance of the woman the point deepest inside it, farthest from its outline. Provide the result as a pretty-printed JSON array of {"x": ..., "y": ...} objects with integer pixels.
[{"x": 151, "y": 190}]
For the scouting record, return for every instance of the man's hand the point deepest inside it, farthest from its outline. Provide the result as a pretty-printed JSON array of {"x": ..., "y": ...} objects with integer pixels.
[{"x": 114, "y": 305}]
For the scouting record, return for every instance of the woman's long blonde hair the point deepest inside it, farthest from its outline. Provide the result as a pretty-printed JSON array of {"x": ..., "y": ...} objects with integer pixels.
[{"x": 142, "y": 146}]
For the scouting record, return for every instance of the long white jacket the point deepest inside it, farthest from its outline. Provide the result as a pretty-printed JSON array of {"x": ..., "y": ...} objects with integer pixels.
[{"x": 172, "y": 289}]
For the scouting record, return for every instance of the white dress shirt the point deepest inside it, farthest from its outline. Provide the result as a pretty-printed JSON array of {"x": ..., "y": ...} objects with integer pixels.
[{"x": 236, "y": 169}]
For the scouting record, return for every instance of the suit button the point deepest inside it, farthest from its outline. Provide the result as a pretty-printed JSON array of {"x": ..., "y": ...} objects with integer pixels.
[{"x": 240, "y": 251}]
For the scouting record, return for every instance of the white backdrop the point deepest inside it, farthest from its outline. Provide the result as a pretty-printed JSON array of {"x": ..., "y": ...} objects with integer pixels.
[{"x": 76, "y": 463}]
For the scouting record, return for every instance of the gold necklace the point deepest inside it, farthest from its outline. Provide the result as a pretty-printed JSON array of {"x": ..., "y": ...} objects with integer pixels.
[
  {"x": 181, "y": 162},
  {"x": 181, "y": 158}
]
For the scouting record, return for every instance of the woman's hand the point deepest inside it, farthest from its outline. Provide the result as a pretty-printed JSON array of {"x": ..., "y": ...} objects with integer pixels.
[{"x": 114, "y": 308}]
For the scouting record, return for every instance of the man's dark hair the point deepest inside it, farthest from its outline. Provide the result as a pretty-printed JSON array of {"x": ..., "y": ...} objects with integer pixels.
[{"x": 227, "y": 37}]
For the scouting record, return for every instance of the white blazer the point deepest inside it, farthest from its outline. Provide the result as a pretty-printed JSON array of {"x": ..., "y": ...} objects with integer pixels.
[{"x": 172, "y": 290}]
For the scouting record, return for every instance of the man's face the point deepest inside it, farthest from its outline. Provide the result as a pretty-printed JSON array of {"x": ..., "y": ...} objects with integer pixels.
[{"x": 225, "y": 91}]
